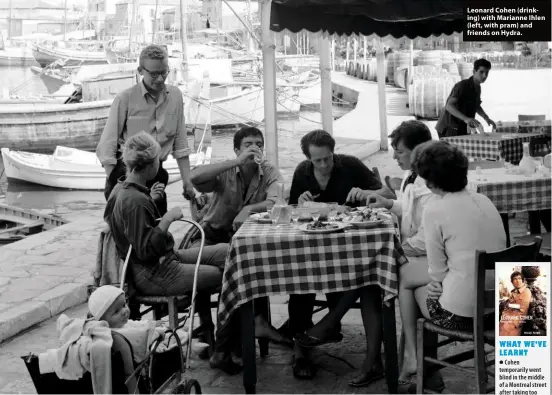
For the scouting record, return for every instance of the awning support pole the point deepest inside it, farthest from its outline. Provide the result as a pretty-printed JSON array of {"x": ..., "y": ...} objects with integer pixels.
[
  {"x": 269, "y": 84},
  {"x": 326, "y": 85},
  {"x": 380, "y": 59}
]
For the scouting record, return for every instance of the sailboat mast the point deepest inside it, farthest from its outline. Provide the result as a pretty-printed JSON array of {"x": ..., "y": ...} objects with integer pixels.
[
  {"x": 131, "y": 22},
  {"x": 250, "y": 42},
  {"x": 184, "y": 39},
  {"x": 65, "y": 21},
  {"x": 154, "y": 22}
]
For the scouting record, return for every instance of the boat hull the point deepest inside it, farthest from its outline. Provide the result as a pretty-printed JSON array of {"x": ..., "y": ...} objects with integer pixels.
[
  {"x": 79, "y": 170},
  {"x": 9, "y": 58},
  {"x": 45, "y": 56},
  {"x": 41, "y": 127}
]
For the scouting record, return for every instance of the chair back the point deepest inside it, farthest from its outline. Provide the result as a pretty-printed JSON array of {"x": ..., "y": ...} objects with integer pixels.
[
  {"x": 531, "y": 117},
  {"x": 485, "y": 263}
]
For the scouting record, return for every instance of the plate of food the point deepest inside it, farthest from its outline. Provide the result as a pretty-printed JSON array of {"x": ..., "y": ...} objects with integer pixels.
[
  {"x": 262, "y": 218},
  {"x": 364, "y": 217},
  {"x": 320, "y": 227}
]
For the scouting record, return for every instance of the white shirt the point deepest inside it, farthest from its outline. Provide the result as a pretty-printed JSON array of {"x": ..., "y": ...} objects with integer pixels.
[
  {"x": 455, "y": 227},
  {"x": 410, "y": 207}
]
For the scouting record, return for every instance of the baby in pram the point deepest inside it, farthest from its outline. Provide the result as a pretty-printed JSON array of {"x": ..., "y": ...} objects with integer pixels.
[{"x": 108, "y": 303}]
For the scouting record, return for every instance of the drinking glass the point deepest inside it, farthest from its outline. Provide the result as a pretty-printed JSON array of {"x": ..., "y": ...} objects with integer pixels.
[
  {"x": 258, "y": 158},
  {"x": 295, "y": 213},
  {"x": 315, "y": 212},
  {"x": 275, "y": 215},
  {"x": 333, "y": 211}
]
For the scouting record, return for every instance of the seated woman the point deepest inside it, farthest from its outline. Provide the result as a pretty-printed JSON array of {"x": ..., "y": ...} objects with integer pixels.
[
  {"x": 155, "y": 267},
  {"x": 456, "y": 225}
]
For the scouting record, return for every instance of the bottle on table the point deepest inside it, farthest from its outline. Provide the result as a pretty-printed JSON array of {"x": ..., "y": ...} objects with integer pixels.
[
  {"x": 281, "y": 212},
  {"x": 527, "y": 164}
]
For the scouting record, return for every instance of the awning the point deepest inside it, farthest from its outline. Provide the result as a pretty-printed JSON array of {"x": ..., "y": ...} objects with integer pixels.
[{"x": 398, "y": 18}]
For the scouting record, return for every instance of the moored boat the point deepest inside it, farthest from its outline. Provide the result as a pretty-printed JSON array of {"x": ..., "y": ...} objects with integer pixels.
[
  {"x": 17, "y": 56},
  {"x": 71, "y": 168},
  {"x": 84, "y": 55}
]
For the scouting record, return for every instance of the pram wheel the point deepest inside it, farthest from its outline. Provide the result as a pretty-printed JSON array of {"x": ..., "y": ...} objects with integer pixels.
[{"x": 190, "y": 386}]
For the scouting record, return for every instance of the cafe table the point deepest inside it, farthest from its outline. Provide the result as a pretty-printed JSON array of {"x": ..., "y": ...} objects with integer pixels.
[
  {"x": 493, "y": 145},
  {"x": 267, "y": 260},
  {"x": 511, "y": 193},
  {"x": 536, "y": 126}
]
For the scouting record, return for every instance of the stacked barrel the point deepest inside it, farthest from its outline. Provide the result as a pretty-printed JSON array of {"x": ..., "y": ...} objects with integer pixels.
[{"x": 428, "y": 94}]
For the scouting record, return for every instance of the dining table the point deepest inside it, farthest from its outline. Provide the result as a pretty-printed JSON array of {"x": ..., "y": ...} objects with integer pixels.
[
  {"x": 510, "y": 191},
  {"x": 266, "y": 259},
  {"x": 509, "y": 146}
]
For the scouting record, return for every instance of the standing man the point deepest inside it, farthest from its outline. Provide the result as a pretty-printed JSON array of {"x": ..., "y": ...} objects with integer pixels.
[
  {"x": 155, "y": 108},
  {"x": 464, "y": 102}
]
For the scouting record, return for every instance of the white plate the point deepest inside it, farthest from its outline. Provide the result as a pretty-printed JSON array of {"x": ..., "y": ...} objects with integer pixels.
[
  {"x": 259, "y": 218},
  {"x": 340, "y": 226},
  {"x": 365, "y": 224}
]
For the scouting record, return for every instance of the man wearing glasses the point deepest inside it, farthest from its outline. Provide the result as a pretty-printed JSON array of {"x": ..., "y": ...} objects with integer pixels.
[{"x": 155, "y": 108}]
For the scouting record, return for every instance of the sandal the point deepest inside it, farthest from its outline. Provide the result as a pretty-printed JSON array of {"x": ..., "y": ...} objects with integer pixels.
[
  {"x": 309, "y": 341},
  {"x": 301, "y": 364},
  {"x": 365, "y": 379}
]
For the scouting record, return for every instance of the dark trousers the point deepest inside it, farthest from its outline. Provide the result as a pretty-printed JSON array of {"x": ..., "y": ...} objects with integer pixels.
[
  {"x": 453, "y": 130},
  {"x": 301, "y": 307},
  {"x": 119, "y": 173}
]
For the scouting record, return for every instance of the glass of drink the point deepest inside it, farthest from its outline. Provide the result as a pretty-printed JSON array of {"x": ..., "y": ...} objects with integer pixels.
[
  {"x": 275, "y": 214},
  {"x": 333, "y": 211},
  {"x": 259, "y": 158},
  {"x": 295, "y": 213}
]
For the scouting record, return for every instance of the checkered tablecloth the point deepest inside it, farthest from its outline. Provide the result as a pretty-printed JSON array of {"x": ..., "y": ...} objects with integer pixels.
[
  {"x": 491, "y": 145},
  {"x": 264, "y": 260},
  {"x": 512, "y": 193},
  {"x": 544, "y": 126}
]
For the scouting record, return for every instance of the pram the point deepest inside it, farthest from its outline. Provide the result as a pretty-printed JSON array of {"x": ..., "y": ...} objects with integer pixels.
[{"x": 159, "y": 372}]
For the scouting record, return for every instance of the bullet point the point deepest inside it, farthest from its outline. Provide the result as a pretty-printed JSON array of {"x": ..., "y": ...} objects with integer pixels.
[{"x": 501, "y": 362}]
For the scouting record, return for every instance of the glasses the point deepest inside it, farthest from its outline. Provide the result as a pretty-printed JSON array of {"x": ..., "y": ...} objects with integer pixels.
[{"x": 155, "y": 74}]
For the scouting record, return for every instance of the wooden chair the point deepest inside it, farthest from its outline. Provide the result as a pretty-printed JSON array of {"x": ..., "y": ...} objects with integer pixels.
[
  {"x": 536, "y": 141},
  {"x": 545, "y": 246},
  {"x": 483, "y": 326}
]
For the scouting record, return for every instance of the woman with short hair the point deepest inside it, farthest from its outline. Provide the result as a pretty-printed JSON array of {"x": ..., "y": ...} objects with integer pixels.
[
  {"x": 456, "y": 225},
  {"x": 155, "y": 267}
]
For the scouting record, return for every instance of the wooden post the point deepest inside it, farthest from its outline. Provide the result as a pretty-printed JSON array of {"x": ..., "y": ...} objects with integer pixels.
[
  {"x": 365, "y": 49},
  {"x": 333, "y": 53},
  {"x": 269, "y": 84},
  {"x": 326, "y": 85},
  {"x": 410, "y": 65},
  {"x": 184, "y": 40},
  {"x": 130, "y": 28},
  {"x": 380, "y": 56},
  {"x": 355, "y": 51},
  {"x": 10, "y": 20}
]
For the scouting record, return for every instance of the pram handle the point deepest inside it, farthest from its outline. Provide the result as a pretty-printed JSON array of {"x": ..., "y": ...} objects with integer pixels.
[{"x": 194, "y": 288}]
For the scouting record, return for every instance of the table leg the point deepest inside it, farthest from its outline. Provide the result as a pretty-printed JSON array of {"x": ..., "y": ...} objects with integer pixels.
[
  {"x": 248, "y": 347},
  {"x": 534, "y": 222},
  {"x": 262, "y": 307},
  {"x": 506, "y": 223},
  {"x": 390, "y": 342}
]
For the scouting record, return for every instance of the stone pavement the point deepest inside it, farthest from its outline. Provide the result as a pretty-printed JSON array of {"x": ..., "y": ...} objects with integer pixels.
[{"x": 274, "y": 371}]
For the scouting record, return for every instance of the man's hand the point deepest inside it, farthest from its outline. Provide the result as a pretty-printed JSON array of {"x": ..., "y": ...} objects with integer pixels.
[
  {"x": 490, "y": 122},
  {"x": 305, "y": 197},
  {"x": 472, "y": 123},
  {"x": 189, "y": 191},
  {"x": 434, "y": 290},
  {"x": 377, "y": 201},
  {"x": 157, "y": 191},
  {"x": 241, "y": 218},
  {"x": 248, "y": 154},
  {"x": 357, "y": 195}
]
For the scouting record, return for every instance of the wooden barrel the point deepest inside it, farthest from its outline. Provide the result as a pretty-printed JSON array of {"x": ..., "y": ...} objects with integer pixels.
[
  {"x": 391, "y": 58},
  {"x": 371, "y": 70},
  {"x": 358, "y": 70},
  {"x": 427, "y": 96},
  {"x": 465, "y": 70},
  {"x": 447, "y": 56},
  {"x": 401, "y": 76},
  {"x": 452, "y": 68},
  {"x": 401, "y": 61},
  {"x": 431, "y": 58}
]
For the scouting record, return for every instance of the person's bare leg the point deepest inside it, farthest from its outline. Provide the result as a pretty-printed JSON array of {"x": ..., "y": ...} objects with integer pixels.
[
  {"x": 326, "y": 326},
  {"x": 264, "y": 329},
  {"x": 412, "y": 276},
  {"x": 371, "y": 311}
]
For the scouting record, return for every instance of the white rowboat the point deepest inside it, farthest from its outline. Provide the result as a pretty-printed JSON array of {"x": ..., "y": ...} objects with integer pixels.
[{"x": 71, "y": 168}]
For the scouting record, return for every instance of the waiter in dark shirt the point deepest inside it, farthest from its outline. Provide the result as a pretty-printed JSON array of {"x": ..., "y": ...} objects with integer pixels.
[
  {"x": 324, "y": 177},
  {"x": 464, "y": 102}
]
